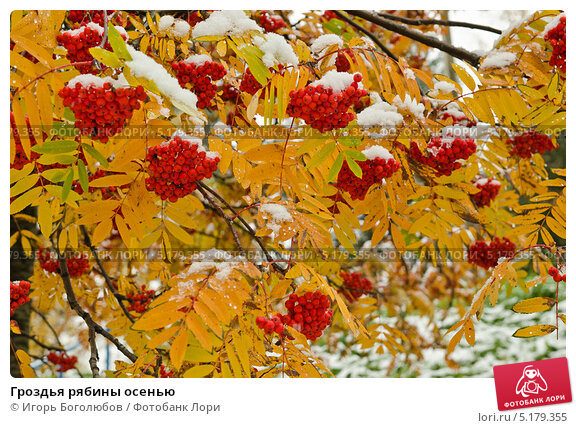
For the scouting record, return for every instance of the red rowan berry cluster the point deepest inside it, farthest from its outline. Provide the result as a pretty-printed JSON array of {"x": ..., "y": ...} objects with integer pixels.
[
  {"x": 557, "y": 38},
  {"x": 198, "y": 72},
  {"x": 329, "y": 14},
  {"x": 84, "y": 16},
  {"x": 530, "y": 142},
  {"x": 271, "y": 325},
  {"x": 78, "y": 265},
  {"x": 164, "y": 373},
  {"x": 20, "y": 158},
  {"x": 79, "y": 41},
  {"x": 361, "y": 104},
  {"x": 176, "y": 165},
  {"x": 322, "y": 107},
  {"x": 355, "y": 285},
  {"x": 444, "y": 153},
  {"x": 342, "y": 63},
  {"x": 309, "y": 314},
  {"x": 229, "y": 92},
  {"x": 18, "y": 294},
  {"x": 196, "y": 17},
  {"x": 489, "y": 188},
  {"x": 337, "y": 197},
  {"x": 486, "y": 254},
  {"x": 65, "y": 362},
  {"x": 270, "y": 23},
  {"x": 139, "y": 301},
  {"x": 249, "y": 83},
  {"x": 373, "y": 172},
  {"x": 101, "y": 110},
  {"x": 458, "y": 119},
  {"x": 556, "y": 274}
]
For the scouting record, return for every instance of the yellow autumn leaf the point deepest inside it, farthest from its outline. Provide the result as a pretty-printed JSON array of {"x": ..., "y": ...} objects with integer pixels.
[
  {"x": 533, "y": 305},
  {"x": 178, "y": 348},
  {"x": 534, "y": 330},
  {"x": 202, "y": 370},
  {"x": 157, "y": 319}
]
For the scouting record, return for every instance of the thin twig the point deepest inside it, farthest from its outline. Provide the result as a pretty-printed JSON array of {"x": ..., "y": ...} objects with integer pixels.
[
  {"x": 41, "y": 315},
  {"x": 73, "y": 64},
  {"x": 227, "y": 219},
  {"x": 249, "y": 228},
  {"x": 41, "y": 344},
  {"x": 369, "y": 34},
  {"x": 442, "y": 22},
  {"x": 73, "y": 303},
  {"x": 103, "y": 272},
  {"x": 467, "y": 56}
]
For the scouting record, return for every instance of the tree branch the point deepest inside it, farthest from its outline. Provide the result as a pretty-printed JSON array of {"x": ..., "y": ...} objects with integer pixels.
[
  {"x": 249, "y": 228},
  {"x": 103, "y": 272},
  {"x": 467, "y": 56},
  {"x": 93, "y": 360},
  {"x": 73, "y": 302},
  {"x": 105, "y": 35},
  {"x": 442, "y": 22},
  {"x": 41, "y": 344},
  {"x": 370, "y": 35},
  {"x": 227, "y": 219},
  {"x": 41, "y": 315}
]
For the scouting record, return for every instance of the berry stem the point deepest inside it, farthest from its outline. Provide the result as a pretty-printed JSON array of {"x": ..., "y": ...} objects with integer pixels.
[{"x": 72, "y": 64}]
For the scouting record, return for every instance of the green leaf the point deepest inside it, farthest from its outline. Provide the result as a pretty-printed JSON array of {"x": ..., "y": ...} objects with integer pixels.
[
  {"x": 336, "y": 167},
  {"x": 69, "y": 115},
  {"x": 349, "y": 140},
  {"x": 83, "y": 175},
  {"x": 95, "y": 154},
  {"x": 63, "y": 129},
  {"x": 332, "y": 27},
  {"x": 117, "y": 43},
  {"x": 106, "y": 57},
  {"x": 253, "y": 56},
  {"x": 354, "y": 167},
  {"x": 67, "y": 186},
  {"x": 355, "y": 154},
  {"x": 56, "y": 146},
  {"x": 321, "y": 155},
  {"x": 54, "y": 175},
  {"x": 64, "y": 159}
]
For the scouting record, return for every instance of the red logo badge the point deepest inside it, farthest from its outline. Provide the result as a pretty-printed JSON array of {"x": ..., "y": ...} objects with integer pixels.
[{"x": 531, "y": 384}]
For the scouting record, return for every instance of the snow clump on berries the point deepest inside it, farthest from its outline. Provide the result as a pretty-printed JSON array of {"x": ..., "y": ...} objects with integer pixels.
[
  {"x": 380, "y": 114},
  {"x": 225, "y": 23},
  {"x": 276, "y": 50},
  {"x": 409, "y": 104},
  {"x": 144, "y": 66}
]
